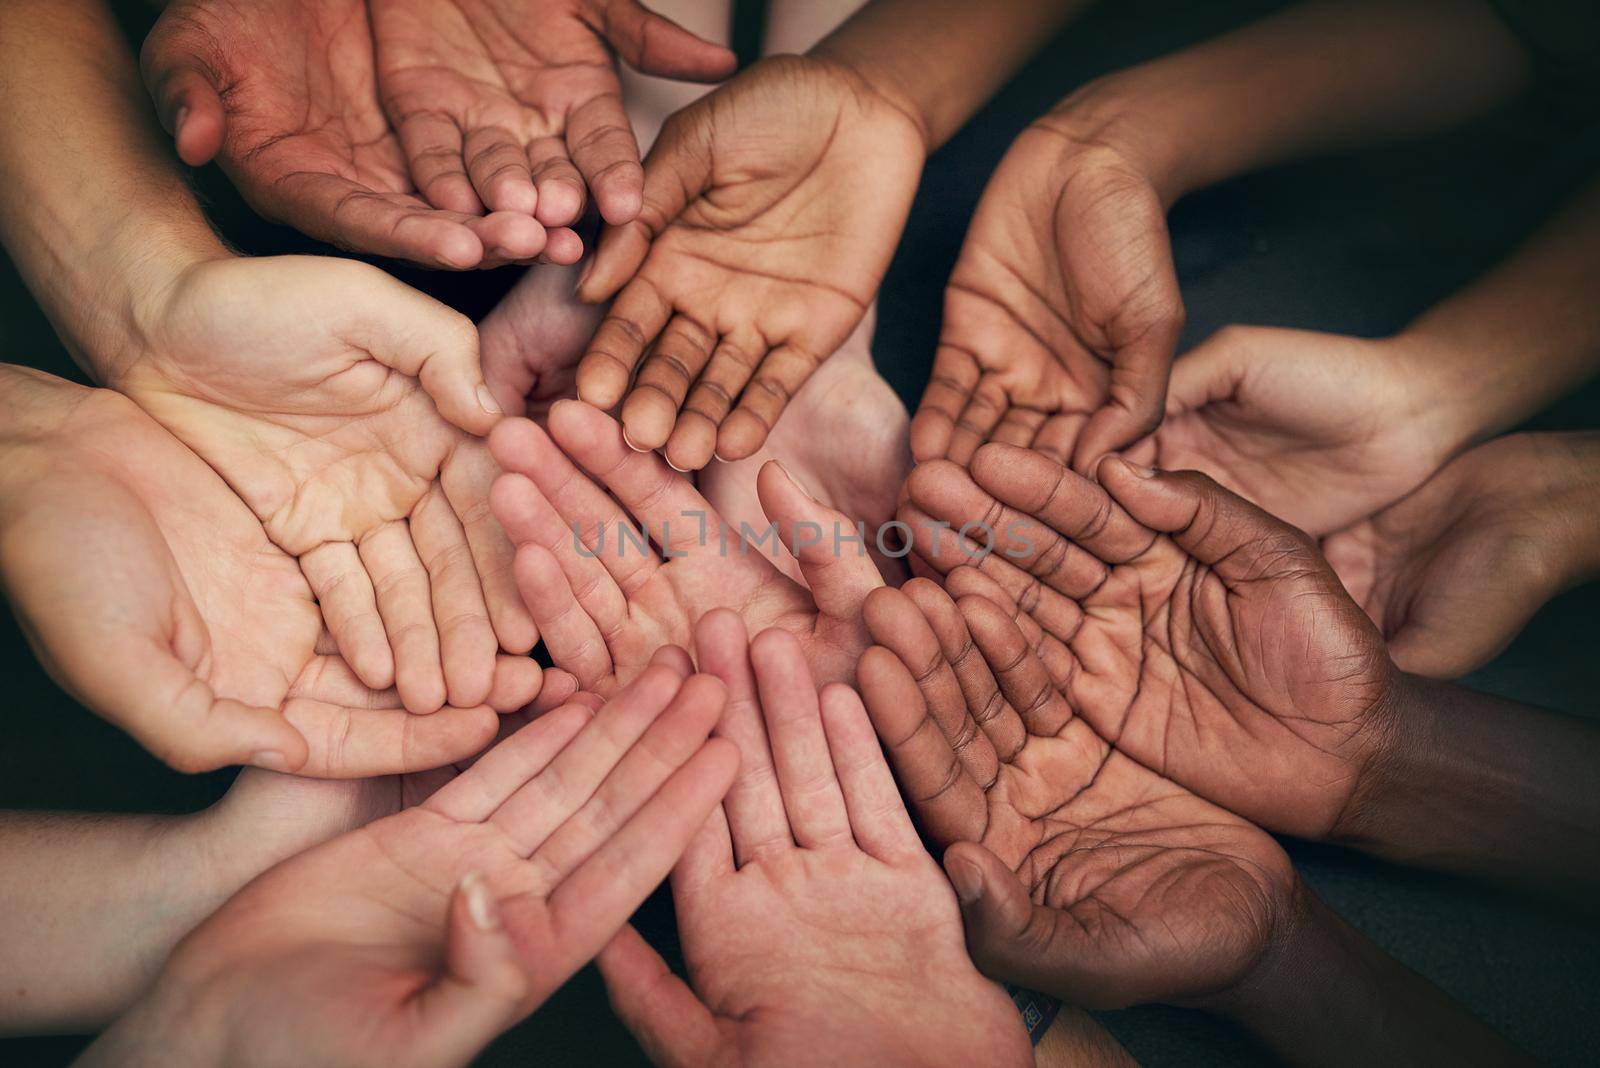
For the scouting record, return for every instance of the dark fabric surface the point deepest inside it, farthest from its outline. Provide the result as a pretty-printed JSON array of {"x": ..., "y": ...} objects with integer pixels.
[{"x": 1357, "y": 245}]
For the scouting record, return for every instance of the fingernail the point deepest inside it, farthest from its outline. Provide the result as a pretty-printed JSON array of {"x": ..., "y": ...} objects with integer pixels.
[
  {"x": 629, "y": 441},
  {"x": 270, "y": 759},
  {"x": 480, "y": 903},
  {"x": 801, "y": 486},
  {"x": 1138, "y": 469},
  {"x": 183, "y": 113},
  {"x": 967, "y": 881},
  {"x": 487, "y": 402}
]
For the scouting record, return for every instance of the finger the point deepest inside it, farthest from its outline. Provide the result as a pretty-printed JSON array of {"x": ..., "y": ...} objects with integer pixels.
[
  {"x": 664, "y": 1015},
  {"x": 497, "y": 164},
  {"x": 811, "y": 794},
  {"x": 1058, "y": 659},
  {"x": 675, "y": 658},
  {"x": 1019, "y": 426},
  {"x": 336, "y": 210},
  {"x": 563, "y": 248},
  {"x": 433, "y": 146},
  {"x": 178, "y": 72},
  {"x": 601, "y": 142},
  {"x": 350, "y": 610},
  {"x": 977, "y": 421},
  {"x": 467, "y": 643},
  {"x": 986, "y": 704},
  {"x": 635, "y": 318},
  {"x": 839, "y": 573},
  {"x": 679, "y": 355},
  {"x": 574, "y": 642},
  {"x": 694, "y": 439},
  {"x": 1022, "y": 677},
  {"x": 1059, "y": 436},
  {"x": 467, "y": 477},
  {"x": 1212, "y": 371},
  {"x": 1137, "y": 394},
  {"x": 477, "y": 793},
  {"x": 519, "y": 680},
  {"x": 949, "y": 391},
  {"x": 757, "y": 822},
  {"x": 653, "y": 44},
  {"x": 358, "y": 743},
  {"x": 559, "y": 185},
  {"x": 949, "y": 802},
  {"x": 764, "y": 399},
  {"x": 878, "y": 817},
  {"x": 508, "y": 237},
  {"x": 1064, "y": 501},
  {"x": 485, "y": 984},
  {"x": 898, "y": 624},
  {"x": 400, "y": 585}
]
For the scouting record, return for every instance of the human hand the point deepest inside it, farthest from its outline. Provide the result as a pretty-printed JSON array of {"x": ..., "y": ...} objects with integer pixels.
[
  {"x": 283, "y": 93},
  {"x": 152, "y": 595},
  {"x": 1081, "y": 872},
  {"x": 1451, "y": 572},
  {"x": 1321, "y": 430},
  {"x": 701, "y": 303},
  {"x": 340, "y": 405},
  {"x": 418, "y": 938},
  {"x": 810, "y": 916},
  {"x": 532, "y": 339},
  {"x": 513, "y": 105},
  {"x": 1062, "y": 313},
  {"x": 1199, "y": 635},
  {"x": 604, "y": 604}
]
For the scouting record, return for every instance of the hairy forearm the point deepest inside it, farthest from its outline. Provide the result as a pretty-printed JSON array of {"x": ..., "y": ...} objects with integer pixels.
[
  {"x": 1479, "y": 785},
  {"x": 93, "y": 206},
  {"x": 940, "y": 60},
  {"x": 1074, "y": 1040},
  {"x": 1325, "y": 994},
  {"x": 1321, "y": 77}
]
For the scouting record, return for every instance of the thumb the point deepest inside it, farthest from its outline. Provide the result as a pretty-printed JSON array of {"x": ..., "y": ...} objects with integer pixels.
[
  {"x": 652, "y": 44},
  {"x": 184, "y": 87},
  {"x": 1138, "y": 395},
  {"x": 484, "y": 988},
  {"x": 1010, "y": 938},
  {"x": 830, "y": 548},
  {"x": 664, "y": 1015},
  {"x": 1222, "y": 530},
  {"x": 1207, "y": 373}
]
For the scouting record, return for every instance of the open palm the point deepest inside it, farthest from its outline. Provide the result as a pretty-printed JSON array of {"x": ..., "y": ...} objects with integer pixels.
[
  {"x": 284, "y": 94},
  {"x": 607, "y": 595},
  {"x": 754, "y": 257},
  {"x": 1102, "y": 881},
  {"x": 338, "y": 418},
  {"x": 1062, "y": 313},
  {"x": 1194, "y": 632},
  {"x": 154, "y": 596}
]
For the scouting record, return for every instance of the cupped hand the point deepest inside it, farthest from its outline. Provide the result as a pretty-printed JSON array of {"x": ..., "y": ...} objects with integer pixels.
[
  {"x": 341, "y": 406},
  {"x": 1452, "y": 572},
  {"x": 532, "y": 340},
  {"x": 1321, "y": 430},
  {"x": 771, "y": 209},
  {"x": 283, "y": 94},
  {"x": 618, "y": 555},
  {"x": 418, "y": 938},
  {"x": 514, "y": 105},
  {"x": 811, "y": 918},
  {"x": 1062, "y": 313},
  {"x": 155, "y": 598},
  {"x": 1197, "y": 634},
  {"x": 1080, "y": 872}
]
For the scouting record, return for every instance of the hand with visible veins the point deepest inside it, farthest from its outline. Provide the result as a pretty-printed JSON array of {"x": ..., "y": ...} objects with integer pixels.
[
  {"x": 1453, "y": 571},
  {"x": 154, "y": 597},
  {"x": 284, "y": 95},
  {"x": 514, "y": 105},
  {"x": 1080, "y": 872},
  {"x": 810, "y": 916},
  {"x": 420, "y": 937},
  {"x": 605, "y": 602},
  {"x": 1199, "y": 635},
  {"x": 1062, "y": 313},
  {"x": 345, "y": 420},
  {"x": 753, "y": 258}
]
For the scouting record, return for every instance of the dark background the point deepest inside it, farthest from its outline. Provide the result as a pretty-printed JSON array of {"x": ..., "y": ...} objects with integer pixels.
[{"x": 1357, "y": 245}]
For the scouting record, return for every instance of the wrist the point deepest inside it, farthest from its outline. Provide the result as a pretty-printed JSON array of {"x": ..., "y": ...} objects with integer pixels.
[
  {"x": 165, "y": 1026},
  {"x": 840, "y": 62}
]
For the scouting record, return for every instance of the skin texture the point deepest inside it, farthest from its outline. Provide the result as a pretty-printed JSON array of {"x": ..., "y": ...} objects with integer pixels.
[
  {"x": 809, "y": 914},
  {"x": 1062, "y": 313},
  {"x": 1080, "y": 872},
  {"x": 1454, "y": 570},
  {"x": 284, "y": 96},
  {"x": 702, "y": 322},
  {"x": 344, "y": 417},
  {"x": 532, "y": 340},
  {"x": 604, "y": 612},
  {"x": 1199, "y": 635},
  {"x": 514, "y": 105},
  {"x": 155, "y": 598},
  {"x": 439, "y": 927}
]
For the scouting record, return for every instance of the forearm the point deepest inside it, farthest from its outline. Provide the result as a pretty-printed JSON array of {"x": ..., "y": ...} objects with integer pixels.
[
  {"x": 1519, "y": 337},
  {"x": 94, "y": 209},
  {"x": 940, "y": 60},
  {"x": 1479, "y": 785},
  {"x": 1074, "y": 1040},
  {"x": 1325, "y": 995},
  {"x": 1320, "y": 77}
]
